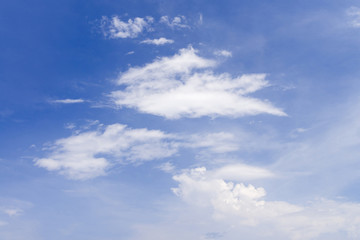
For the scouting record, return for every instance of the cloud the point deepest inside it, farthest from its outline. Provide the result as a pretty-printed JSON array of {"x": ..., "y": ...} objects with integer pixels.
[
  {"x": 220, "y": 142},
  {"x": 13, "y": 207},
  {"x": 6, "y": 113},
  {"x": 68, "y": 101},
  {"x": 167, "y": 167},
  {"x": 160, "y": 41},
  {"x": 11, "y": 212},
  {"x": 239, "y": 205},
  {"x": 240, "y": 172},
  {"x": 198, "y": 187},
  {"x": 89, "y": 154},
  {"x": 200, "y": 19},
  {"x": 115, "y": 28},
  {"x": 70, "y": 125},
  {"x": 328, "y": 154},
  {"x": 354, "y": 15},
  {"x": 176, "y": 22},
  {"x": 184, "y": 86},
  {"x": 223, "y": 53}
]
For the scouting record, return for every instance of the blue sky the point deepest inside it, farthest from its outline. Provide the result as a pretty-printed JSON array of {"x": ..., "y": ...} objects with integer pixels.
[{"x": 179, "y": 120}]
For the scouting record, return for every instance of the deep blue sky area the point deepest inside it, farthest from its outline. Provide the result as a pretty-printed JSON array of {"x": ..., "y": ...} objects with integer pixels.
[{"x": 154, "y": 119}]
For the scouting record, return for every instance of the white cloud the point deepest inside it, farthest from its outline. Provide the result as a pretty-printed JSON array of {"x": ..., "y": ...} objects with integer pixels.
[
  {"x": 238, "y": 205},
  {"x": 183, "y": 86},
  {"x": 90, "y": 154},
  {"x": 176, "y": 22},
  {"x": 354, "y": 15},
  {"x": 159, "y": 41},
  {"x": 223, "y": 53},
  {"x": 115, "y": 28},
  {"x": 197, "y": 186},
  {"x": 69, "y": 101}
]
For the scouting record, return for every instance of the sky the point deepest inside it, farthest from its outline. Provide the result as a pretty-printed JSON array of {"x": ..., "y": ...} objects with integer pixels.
[{"x": 153, "y": 119}]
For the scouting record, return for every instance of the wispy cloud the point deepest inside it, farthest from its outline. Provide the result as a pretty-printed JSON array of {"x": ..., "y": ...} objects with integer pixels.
[
  {"x": 184, "y": 86},
  {"x": 200, "y": 19},
  {"x": 220, "y": 142},
  {"x": 354, "y": 15},
  {"x": 159, "y": 41},
  {"x": 13, "y": 207},
  {"x": 223, "y": 53},
  {"x": 176, "y": 22},
  {"x": 167, "y": 167},
  {"x": 116, "y": 28},
  {"x": 11, "y": 212},
  {"x": 90, "y": 154},
  {"x": 68, "y": 101}
]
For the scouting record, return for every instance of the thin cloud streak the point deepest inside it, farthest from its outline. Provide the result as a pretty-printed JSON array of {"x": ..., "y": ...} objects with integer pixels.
[
  {"x": 68, "y": 101},
  {"x": 159, "y": 41}
]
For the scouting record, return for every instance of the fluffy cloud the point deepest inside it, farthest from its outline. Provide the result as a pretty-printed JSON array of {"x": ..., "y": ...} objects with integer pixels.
[
  {"x": 159, "y": 41},
  {"x": 202, "y": 188},
  {"x": 90, "y": 154},
  {"x": 244, "y": 205},
  {"x": 115, "y": 28},
  {"x": 184, "y": 86},
  {"x": 176, "y": 22}
]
